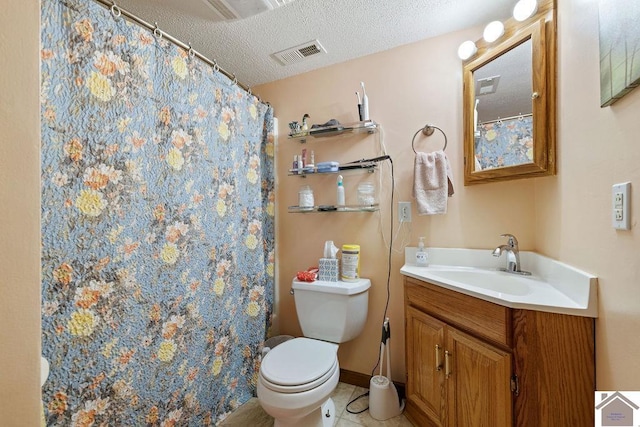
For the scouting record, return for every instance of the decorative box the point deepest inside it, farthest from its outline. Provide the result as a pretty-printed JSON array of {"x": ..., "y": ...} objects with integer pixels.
[{"x": 328, "y": 269}]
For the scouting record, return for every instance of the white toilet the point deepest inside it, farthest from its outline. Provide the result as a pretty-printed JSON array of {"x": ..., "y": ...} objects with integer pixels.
[{"x": 298, "y": 376}]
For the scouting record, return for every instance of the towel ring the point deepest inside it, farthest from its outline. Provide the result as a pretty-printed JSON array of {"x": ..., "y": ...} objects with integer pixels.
[{"x": 428, "y": 130}]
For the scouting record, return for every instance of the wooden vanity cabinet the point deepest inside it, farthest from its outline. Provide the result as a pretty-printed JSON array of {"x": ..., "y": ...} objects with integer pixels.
[{"x": 471, "y": 363}]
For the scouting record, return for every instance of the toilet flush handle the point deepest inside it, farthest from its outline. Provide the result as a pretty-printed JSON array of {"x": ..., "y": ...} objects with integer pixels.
[{"x": 291, "y": 291}]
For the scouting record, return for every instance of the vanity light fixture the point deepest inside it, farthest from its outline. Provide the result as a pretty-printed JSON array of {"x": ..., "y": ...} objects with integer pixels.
[
  {"x": 467, "y": 50},
  {"x": 493, "y": 31},
  {"x": 524, "y": 9}
]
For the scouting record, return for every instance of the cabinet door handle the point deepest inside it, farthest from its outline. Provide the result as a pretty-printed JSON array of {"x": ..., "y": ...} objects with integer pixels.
[
  {"x": 447, "y": 368},
  {"x": 438, "y": 362}
]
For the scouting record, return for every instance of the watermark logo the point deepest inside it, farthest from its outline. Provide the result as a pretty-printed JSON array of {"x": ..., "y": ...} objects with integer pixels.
[{"x": 617, "y": 408}]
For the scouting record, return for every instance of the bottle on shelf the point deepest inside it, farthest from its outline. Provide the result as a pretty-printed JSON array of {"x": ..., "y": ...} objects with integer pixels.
[{"x": 340, "y": 194}]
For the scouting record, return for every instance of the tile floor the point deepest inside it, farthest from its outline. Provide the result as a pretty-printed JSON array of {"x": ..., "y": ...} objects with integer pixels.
[{"x": 251, "y": 413}]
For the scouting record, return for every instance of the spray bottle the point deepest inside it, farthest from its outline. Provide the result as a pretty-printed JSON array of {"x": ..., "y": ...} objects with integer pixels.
[{"x": 340, "y": 194}]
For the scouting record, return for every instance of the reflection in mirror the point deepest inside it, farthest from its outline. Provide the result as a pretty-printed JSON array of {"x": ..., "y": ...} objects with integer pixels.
[
  {"x": 509, "y": 107},
  {"x": 503, "y": 132}
]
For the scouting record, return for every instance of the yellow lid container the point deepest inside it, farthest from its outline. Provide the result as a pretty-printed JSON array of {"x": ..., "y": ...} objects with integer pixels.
[{"x": 350, "y": 262}]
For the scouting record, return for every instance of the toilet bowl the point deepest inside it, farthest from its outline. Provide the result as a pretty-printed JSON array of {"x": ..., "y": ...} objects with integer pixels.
[
  {"x": 296, "y": 381},
  {"x": 298, "y": 376}
]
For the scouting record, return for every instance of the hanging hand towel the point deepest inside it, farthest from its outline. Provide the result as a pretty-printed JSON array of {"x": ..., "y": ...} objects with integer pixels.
[{"x": 432, "y": 182}]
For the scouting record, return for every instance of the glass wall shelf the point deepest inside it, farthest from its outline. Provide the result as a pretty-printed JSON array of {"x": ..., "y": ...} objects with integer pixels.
[
  {"x": 342, "y": 170},
  {"x": 328, "y": 208},
  {"x": 367, "y": 126}
]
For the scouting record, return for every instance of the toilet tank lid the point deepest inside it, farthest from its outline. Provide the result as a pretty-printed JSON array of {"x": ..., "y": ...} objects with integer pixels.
[{"x": 340, "y": 287}]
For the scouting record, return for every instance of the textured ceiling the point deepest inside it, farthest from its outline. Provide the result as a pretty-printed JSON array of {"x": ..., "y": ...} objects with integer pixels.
[
  {"x": 347, "y": 29},
  {"x": 513, "y": 95}
]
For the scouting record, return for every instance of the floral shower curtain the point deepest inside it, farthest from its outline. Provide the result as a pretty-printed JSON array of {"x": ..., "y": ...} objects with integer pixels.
[
  {"x": 157, "y": 227},
  {"x": 504, "y": 143}
]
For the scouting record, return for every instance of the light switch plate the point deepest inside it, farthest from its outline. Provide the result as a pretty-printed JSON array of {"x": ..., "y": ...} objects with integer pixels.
[{"x": 621, "y": 206}]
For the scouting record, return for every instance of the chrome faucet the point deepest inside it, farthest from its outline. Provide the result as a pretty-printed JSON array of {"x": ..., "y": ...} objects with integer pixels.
[{"x": 513, "y": 255}]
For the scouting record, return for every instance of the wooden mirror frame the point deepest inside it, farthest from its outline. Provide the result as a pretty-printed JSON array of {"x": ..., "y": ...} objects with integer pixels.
[{"x": 541, "y": 29}]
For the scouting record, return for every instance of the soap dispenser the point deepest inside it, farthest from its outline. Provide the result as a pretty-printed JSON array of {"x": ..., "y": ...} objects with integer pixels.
[{"x": 422, "y": 257}]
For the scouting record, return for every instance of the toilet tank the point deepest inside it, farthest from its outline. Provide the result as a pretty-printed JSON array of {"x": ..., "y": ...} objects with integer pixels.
[{"x": 332, "y": 311}]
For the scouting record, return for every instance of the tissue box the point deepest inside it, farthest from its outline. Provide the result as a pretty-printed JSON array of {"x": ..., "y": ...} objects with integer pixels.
[{"x": 328, "y": 269}]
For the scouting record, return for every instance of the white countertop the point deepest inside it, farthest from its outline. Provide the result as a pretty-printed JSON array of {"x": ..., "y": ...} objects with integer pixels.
[{"x": 553, "y": 286}]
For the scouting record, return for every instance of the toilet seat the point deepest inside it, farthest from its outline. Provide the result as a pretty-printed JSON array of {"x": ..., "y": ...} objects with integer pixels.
[{"x": 299, "y": 365}]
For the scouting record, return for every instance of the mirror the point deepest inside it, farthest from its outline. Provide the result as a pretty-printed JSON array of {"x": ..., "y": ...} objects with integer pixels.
[
  {"x": 504, "y": 110},
  {"x": 509, "y": 103}
]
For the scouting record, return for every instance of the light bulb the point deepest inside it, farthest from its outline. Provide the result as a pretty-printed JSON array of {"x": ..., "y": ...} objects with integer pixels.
[
  {"x": 467, "y": 50},
  {"x": 525, "y": 9},
  {"x": 493, "y": 31}
]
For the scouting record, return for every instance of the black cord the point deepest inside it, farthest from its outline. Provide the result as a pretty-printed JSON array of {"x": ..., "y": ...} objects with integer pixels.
[
  {"x": 360, "y": 411},
  {"x": 386, "y": 307}
]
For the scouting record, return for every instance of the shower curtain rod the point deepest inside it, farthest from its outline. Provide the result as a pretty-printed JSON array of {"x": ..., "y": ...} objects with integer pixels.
[
  {"x": 117, "y": 11},
  {"x": 519, "y": 116}
]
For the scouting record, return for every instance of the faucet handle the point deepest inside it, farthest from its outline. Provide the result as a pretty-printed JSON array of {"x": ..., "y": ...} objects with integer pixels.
[{"x": 513, "y": 242}]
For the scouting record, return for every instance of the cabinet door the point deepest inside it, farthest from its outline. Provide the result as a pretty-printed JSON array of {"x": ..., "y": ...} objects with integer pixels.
[
  {"x": 425, "y": 382},
  {"x": 478, "y": 377}
]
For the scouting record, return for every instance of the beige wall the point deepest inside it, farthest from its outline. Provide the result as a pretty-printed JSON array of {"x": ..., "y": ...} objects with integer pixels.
[
  {"x": 407, "y": 88},
  {"x": 566, "y": 217},
  {"x": 597, "y": 148},
  {"x": 20, "y": 213}
]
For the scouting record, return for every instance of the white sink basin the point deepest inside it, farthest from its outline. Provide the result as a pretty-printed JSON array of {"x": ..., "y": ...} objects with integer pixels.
[
  {"x": 491, "y": 280},
  {"x": 553, "y": 286}
]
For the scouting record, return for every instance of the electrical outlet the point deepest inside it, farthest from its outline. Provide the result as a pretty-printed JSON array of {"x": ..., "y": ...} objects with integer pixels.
[
  {"x": 621, "y": 209},
  {"x": 404, "y": 211},
  {"x": 617, "y": 199},
  {"x": 618, "y": 216}
]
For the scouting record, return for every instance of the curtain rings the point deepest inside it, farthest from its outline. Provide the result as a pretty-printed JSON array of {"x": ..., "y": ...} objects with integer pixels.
[
  {"x": 235, "y": 80},
  {"x": 249, "y": 91},
  {"x": 216, "y": 67},
  {"x": 115, "y": 10},
  {"x": 157, "y": 32},
  {"x": 191, "y": 52}
]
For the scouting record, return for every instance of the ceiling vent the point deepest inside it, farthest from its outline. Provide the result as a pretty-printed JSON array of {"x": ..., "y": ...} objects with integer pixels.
[
  {"x": 300, "y": 52},
  {"x": 228, "y": 10},
  {"x": 487, "y": 85}
]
